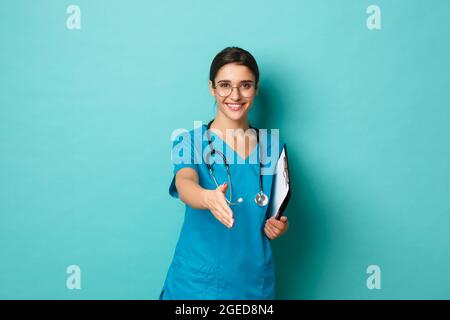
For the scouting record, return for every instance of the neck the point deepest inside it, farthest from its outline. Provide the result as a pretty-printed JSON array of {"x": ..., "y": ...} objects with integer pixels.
[{"x": 223, "y": 123}]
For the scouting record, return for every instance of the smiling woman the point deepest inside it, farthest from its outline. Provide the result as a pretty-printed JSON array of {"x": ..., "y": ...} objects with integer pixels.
[
  {"x": 233, "y": 68},
  {"x": 224, "y": 250}
]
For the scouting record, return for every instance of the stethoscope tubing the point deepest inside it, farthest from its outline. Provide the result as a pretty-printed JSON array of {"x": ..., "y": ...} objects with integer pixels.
[{"x": 213, "y": 151}]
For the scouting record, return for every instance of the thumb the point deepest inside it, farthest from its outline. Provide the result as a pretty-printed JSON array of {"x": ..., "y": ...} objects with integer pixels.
[
  {"x": 283, "y": 218},
  {"x": 223, "y": 187}
]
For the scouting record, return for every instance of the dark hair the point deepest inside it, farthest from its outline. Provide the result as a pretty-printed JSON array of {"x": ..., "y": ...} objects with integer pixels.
[{"x": 233, "y": 55}]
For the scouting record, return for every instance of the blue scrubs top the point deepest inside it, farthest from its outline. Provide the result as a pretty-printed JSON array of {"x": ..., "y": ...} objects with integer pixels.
[{"x": 210, "y": 260}]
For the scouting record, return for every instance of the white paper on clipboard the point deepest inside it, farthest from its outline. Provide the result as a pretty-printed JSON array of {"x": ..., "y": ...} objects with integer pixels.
[{"x": 281, "y": 192}]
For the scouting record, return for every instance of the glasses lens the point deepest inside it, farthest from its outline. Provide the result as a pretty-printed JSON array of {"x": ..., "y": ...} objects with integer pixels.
[
  {"x": 246, "y": 89},
  {"x": 224, "y": 89}
]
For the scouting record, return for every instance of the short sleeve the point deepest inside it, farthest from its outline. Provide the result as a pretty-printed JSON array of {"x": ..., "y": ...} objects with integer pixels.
[{"x": 183, "y": 155}]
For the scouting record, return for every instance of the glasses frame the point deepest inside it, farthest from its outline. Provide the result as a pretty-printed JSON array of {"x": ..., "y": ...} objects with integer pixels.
[{"x": 237, "y": 87}]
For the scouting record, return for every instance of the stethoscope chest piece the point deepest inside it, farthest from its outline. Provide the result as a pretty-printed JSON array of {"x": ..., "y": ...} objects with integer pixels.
[{"x": 261, "y": 199}]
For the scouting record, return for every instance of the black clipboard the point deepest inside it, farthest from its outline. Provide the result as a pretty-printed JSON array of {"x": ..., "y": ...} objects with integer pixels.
[{"x": 281, "y": 187}]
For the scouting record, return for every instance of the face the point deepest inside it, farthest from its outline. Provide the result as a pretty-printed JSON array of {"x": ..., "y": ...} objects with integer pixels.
[{"x": 235, "y": 106}]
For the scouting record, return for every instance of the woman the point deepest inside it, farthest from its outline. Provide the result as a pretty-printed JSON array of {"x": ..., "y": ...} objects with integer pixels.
[{"x": 224, "y": 247}]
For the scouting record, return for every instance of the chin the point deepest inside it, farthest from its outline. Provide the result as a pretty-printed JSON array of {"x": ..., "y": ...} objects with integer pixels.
[{"x": 235, "y": 117}]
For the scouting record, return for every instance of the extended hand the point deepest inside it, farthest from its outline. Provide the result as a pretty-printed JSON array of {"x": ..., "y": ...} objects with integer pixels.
[{"x": 215, "y": 201}]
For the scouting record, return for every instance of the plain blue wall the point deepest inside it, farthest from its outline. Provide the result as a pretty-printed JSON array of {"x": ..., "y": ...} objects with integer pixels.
[{"x": 86, "y": 117}]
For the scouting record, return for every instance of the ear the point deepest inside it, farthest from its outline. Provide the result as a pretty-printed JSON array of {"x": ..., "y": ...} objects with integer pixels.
[
  {"x": 211, "y": 88},
  {"x": 257, "y": 89}
]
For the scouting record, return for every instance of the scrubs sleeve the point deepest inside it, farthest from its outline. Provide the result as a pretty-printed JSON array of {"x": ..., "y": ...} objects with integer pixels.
[{"x": 183, "y": 155}]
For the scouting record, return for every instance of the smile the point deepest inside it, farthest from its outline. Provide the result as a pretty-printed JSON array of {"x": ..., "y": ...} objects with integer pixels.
[{"x": 235, "y": 106}]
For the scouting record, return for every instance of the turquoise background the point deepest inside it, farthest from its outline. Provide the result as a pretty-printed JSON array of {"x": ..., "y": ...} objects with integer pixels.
[{"x": 86, "y": 117}]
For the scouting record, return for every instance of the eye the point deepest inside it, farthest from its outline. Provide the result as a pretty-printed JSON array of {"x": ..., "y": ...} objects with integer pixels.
[
  {"x": 224, "y": 85},
  {"x": 247, "y": 85}
]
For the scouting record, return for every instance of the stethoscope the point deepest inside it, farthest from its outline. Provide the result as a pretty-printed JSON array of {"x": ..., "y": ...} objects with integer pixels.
[{"x": 261, "y": 198}]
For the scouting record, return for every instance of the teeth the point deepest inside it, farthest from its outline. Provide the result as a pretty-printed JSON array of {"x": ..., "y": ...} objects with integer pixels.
[{"x": 233, "y": 105}]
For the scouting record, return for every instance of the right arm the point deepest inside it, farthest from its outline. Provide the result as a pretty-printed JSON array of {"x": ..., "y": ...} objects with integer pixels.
[{"x": 192, "y": 194}]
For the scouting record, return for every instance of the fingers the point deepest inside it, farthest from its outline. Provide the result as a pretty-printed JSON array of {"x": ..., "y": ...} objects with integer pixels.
[
  {"x": 223, "y": 187},
  {"x": 225, "y": 220},
  {"x": 226, "y": 216},
  {"x": 224, "y": 212},
  {"x": 223, "y": 203},
  {"x": 217, "y": 205},
  {"x": 223, "y": 216},
  {"x": 269, "y": 232},
  {"x": 273, "y": 229},
  {"x": 278, "y": 224}
]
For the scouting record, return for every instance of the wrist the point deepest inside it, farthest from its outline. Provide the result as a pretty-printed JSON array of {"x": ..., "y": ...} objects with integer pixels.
[{"x": 205, "y": 196}]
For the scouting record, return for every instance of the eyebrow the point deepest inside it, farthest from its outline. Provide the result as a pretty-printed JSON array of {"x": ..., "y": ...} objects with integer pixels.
[{"x": 239, "y": 81}]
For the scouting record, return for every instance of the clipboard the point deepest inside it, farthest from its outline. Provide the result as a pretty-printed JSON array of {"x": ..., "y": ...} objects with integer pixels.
[{"x": 281, "y": 187}]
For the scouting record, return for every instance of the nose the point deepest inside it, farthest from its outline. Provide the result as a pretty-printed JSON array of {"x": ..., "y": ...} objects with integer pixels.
[{"x": 235, "y": 94}]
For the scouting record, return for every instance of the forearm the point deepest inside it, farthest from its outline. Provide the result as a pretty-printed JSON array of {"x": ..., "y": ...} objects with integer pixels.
[{"x": 191, "y": 193}]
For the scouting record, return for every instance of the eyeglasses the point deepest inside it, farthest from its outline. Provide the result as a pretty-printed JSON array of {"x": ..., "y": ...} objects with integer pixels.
[{"x": 246, "y": 89}]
